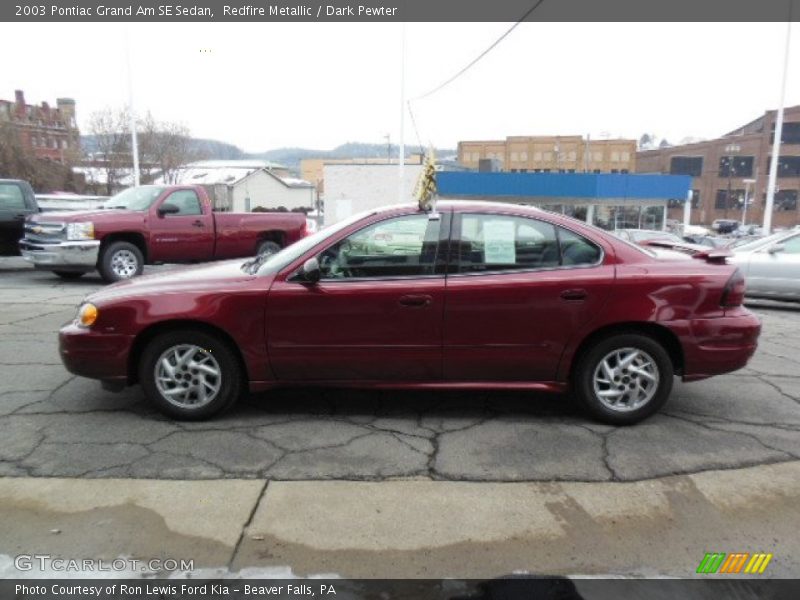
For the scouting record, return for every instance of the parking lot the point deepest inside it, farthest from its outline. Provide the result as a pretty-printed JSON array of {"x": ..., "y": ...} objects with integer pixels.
[
  {"x": 400, "y": 484},
  {"x": 57, "y": 425}
]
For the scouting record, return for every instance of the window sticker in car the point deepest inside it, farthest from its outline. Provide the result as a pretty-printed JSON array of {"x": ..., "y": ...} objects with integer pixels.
[{"x": 498, "y": 239}]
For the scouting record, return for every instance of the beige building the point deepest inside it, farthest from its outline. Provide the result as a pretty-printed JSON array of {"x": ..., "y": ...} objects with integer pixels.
[
  {"x": 312, "y": 169},
  {"x": 726, "y": 170},
  {"x": 551, "y": 154}
]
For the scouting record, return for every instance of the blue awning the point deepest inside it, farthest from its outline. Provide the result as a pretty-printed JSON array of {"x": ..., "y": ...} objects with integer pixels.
[{"x": 589, "y": 186}]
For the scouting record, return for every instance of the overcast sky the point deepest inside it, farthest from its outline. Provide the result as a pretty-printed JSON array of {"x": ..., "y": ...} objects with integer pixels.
[{"x": 262, "y": 86}]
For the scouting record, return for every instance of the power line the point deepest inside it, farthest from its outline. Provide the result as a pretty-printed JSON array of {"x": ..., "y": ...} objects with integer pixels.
[{"x": 482, "y": 54}]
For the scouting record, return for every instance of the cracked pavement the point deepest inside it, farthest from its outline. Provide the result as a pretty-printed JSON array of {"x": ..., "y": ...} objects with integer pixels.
[{"x": 57, "y": 425}]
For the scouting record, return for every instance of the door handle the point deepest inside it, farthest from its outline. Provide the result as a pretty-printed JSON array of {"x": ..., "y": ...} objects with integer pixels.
[
  {"x": 198, "y": 224},
  {"x": 20, "y": 217},
  {"x": 415, "y": 300},
  {"x": 575, "y": 295}
]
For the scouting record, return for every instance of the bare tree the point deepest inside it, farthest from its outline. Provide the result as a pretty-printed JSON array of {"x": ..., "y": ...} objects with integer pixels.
[
  {"x": 112, "y": 138},
  {"x": 166, "y": 146}
]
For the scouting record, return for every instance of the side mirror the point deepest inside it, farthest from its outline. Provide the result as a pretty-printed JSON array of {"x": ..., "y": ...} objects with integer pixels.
[
  {"x": 168, "y": 209},
  {"x": 775, "y": 248},
  {"x": 311, "y": 272}
]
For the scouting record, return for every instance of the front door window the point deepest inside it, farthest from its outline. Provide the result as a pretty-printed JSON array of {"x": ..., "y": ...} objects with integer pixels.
[{"x": 400, "y": 247}]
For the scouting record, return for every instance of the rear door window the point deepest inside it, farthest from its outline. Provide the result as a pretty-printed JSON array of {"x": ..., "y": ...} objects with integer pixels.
[{"x": 491, "y": 243}]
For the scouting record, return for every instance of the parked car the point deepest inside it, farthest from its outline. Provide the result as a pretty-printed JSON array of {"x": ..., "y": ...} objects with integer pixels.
[
  {"x": 723, "y": 226},
  {"x": 711, "y": 241},
  {"x": 152, "y": 224},
  {"x": 771, "y": 265},
  {"x": 638, "y": 236},
  {"x": 513, "y": 298},
  {"x": 17, "y": 202}
]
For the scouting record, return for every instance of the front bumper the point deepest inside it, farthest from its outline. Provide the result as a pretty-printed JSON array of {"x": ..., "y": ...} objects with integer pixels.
[
  {"x": 70, "y": 255},
  {"x": 94, "y": 354}
]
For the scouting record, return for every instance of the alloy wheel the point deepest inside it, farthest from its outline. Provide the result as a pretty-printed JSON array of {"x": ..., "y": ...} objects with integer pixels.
[
  {"x": 626, "y": 379},
  {"x": 124, "y": 264},
  {"x": 188, "y": 376}
]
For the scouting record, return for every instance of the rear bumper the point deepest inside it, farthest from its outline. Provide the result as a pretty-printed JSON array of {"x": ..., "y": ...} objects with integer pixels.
[
  {"x": 94, "y": 354},
  {"x": 79, "y": 256},
  {"x": 721, "y": 345}
]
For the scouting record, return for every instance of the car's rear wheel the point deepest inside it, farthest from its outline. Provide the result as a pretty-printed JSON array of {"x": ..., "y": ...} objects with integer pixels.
[
  {"x": 624, "y": 378},
  {"x": 120, "y": 260},
  {"x": 268, "y": 247},
  {"x": 70, "y": 274},
  {"x": 190, "y": 375}
]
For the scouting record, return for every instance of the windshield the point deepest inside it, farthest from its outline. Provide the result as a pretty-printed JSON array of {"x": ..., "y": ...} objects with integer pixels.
[
  {"x": 140, "y": 198},
  {"x": 275, "y": 262}
]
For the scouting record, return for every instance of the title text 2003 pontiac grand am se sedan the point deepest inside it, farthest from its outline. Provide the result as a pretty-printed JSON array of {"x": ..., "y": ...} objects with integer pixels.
[{"x": 472, "y": 296}]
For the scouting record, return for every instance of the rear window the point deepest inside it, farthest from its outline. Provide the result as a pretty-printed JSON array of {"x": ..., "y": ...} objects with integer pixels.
[{"x": 11, "y": 197}]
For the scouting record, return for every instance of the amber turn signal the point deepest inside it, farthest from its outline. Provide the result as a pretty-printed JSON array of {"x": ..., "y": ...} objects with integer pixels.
[{"x": 87, "y": 315}]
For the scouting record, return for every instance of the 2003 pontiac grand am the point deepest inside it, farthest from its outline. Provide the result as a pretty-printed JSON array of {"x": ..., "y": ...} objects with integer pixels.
[{"x": 470, "y": 296}]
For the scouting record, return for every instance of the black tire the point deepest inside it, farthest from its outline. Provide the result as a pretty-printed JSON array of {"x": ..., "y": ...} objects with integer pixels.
[
  {"x": 268, "y": 247},
  {"x": 70, "y": 274},
  {"x": 229, "y": 382},
  {"x": 109, "y": 264},
  {"x": 589, "y": 364}
]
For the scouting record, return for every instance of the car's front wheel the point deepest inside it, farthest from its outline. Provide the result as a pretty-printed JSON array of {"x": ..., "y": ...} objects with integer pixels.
[
  {"x": 624, "y": 378},
  {"x": 190, "y": 375},
  {"x": 120, "y": 260}
]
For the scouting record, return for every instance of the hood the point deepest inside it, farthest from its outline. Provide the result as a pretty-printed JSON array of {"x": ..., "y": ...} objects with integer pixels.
[
  {"x": 216, "y": 277},
  {"x": 75, "y": 216}
]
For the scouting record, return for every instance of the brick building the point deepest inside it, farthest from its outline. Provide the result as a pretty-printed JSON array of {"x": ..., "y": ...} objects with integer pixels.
[
  {"x": 727, "y": 169},
  {"x": 551, "y": 154},
  {"x": 51, "y": 133}
]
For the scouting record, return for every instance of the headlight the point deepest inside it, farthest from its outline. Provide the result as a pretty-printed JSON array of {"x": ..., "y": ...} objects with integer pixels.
[
  {"x": 87, "y": 314},
  {"x": 80, "y": 231}
]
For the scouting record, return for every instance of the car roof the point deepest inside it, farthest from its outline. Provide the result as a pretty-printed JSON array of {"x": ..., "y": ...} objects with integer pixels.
[{"x": 460, "y": 205}]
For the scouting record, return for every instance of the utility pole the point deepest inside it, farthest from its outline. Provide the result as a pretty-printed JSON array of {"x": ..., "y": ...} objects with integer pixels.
[
  {"x": 776, "y": 142},
  {"x": 401, "y": 192},
  {"x": 131, "y": 111}
]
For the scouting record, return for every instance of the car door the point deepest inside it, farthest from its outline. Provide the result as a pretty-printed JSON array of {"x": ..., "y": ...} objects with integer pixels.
[
  {"x": 185, "y": 236},
  {"x": 519, "y": 287},
  {"x": 376, "y": 313},
  {"x": 775, "y": 269},
  {"x": 14, "y": 207}
]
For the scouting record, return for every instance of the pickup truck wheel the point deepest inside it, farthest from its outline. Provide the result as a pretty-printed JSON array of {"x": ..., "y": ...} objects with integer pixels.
[
  {"x": 120, "y": 260},
  {"x": 190, "y": 375},
  {"x": 268, "y": 247},
  {"x": 70, "y": 274},
  {"x": 623, "y": 378}
]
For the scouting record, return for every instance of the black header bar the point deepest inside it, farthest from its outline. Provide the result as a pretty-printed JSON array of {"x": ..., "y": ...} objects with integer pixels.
[{"x": 373, "y": 11}]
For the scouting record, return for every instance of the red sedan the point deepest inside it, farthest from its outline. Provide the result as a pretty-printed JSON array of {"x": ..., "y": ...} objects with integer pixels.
[{"x": 471, "y": 296}]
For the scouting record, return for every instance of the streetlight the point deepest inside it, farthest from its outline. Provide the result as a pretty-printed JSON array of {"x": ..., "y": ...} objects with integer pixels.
[
  {"x": 747, "y": 184},
  {"x": 731, "y": 149}
]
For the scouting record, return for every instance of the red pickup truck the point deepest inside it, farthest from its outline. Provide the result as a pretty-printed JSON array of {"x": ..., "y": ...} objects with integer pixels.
[{"x": 151, "y": 224}]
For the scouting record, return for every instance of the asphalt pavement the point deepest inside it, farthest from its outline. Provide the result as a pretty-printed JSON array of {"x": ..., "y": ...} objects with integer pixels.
[{"x": 65, "y": 430}]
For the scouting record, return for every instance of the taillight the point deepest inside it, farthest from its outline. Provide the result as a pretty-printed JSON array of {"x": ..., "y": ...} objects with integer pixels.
[{"x": 733, "y": 294}]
